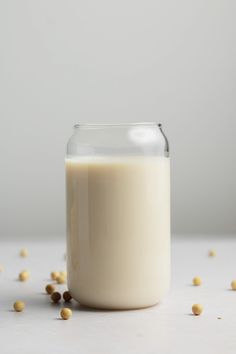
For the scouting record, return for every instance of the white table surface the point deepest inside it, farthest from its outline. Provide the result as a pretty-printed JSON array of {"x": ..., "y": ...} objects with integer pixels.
[{"x": 166, "y": 328}]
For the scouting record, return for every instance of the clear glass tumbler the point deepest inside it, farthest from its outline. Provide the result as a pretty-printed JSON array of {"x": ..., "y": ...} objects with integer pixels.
[{"x": 118, "y": 215}]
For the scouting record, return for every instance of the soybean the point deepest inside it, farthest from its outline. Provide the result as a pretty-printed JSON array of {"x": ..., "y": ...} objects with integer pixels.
[
  {"x": 24, "y": 252},
  {"x": 50, "y": 288},
  {"x": 233, "y": 284},
  {"x": 56, "y": 297},
  {"x": 55, "y": 275},
  {"x": 197, "y": 281},
  {"x": 19, "y": 306},
  {"x": 67, "y": 296},
  {"x": 197, "y": 309},
  {"x": 66, "y": 313},
  {"x": 24, "y": 275}
]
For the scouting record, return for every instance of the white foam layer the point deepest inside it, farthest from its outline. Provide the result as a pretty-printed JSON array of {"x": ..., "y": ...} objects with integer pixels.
[{"x": 114, "y": 159}]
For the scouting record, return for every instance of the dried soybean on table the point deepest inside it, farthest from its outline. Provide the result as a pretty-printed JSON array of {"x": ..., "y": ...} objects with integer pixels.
[{"x": 167, "y": 328}]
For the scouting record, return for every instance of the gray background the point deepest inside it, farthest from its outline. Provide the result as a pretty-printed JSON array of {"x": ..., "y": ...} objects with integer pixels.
[{"x": 63, "y": 62}]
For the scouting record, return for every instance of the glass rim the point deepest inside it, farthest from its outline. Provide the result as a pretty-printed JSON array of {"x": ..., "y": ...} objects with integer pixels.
[{"x": 110, "y": 125}]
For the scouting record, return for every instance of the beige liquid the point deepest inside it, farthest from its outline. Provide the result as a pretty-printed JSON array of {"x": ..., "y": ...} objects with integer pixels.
[{"x": 118, "y": 231}]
